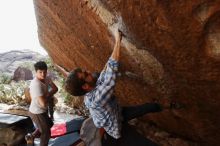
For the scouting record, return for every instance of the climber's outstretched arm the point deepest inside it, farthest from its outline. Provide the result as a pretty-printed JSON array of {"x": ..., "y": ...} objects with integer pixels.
[
  {"x": 116, "y": 51},
  {"x": 62, "y": 70}
]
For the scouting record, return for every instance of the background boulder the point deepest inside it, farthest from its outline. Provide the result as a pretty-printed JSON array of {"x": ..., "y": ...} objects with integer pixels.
[{"x": 22, "y": 73}]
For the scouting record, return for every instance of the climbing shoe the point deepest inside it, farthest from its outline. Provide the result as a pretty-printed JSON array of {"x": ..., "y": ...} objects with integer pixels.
[{"x": 29, "y": 139}]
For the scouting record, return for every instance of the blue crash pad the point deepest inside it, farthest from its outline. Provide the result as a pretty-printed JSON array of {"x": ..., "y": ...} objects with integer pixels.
[
  {"x": 8, "y": 120},
  {"x": 65, "y": 140}
]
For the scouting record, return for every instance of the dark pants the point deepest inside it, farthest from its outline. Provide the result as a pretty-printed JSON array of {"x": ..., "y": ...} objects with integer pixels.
[
  {"x": 130, "y": 137},
  {"x": 131, "y": 112},
  {"x": 43, "y": 123},
  {"x": 51, "y": 107}
]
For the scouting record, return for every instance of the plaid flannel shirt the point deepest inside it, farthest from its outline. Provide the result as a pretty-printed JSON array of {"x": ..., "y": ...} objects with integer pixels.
[{"x": 101, "y": 103}]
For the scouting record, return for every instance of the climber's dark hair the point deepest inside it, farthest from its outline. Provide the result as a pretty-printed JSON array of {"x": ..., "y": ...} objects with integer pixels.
[
  {"x": 40, "y": 65},
  {"x": 73, "y": 83}
]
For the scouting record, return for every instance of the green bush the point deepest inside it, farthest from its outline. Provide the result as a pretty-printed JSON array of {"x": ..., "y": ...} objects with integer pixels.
[
  {"x": 12, "y": 93},
  {"x": 5, "y": 78}
]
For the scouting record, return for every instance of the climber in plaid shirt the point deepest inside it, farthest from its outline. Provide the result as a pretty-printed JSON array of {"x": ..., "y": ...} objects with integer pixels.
[
  {"x": 108, "y": 117},
  {"x": 98, "y": 95}
]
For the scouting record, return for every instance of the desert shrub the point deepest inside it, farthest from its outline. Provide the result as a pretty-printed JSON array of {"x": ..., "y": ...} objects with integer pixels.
[
  {"x": 5, "y": 78},
  {"x": 12, "y": 93}
]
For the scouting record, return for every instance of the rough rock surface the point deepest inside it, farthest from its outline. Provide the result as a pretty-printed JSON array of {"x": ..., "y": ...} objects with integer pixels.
[
  {"x": 12, "y": 136},
  {"x": 23, "y": 74},
  {"x": 170, "y": 50}
]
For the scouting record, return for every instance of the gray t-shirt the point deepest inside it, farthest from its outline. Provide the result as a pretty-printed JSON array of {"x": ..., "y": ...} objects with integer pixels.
[{"x": 37, "y": 89}]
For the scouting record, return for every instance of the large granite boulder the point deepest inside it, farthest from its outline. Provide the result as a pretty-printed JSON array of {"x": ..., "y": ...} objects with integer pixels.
[
  {"x": 22, "y": 74},
  {"x": 170, "y": 50}
]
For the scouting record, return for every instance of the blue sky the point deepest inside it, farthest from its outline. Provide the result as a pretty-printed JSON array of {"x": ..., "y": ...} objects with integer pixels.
[{"x": 18, "y": 28}]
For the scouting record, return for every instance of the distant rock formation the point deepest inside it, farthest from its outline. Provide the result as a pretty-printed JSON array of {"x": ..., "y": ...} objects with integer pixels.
[
  {"x": 10, "y": 61},
  {"x": 22, "y": 73}
]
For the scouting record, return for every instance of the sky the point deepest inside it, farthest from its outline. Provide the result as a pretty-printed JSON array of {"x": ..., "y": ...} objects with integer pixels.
[{"x": 18, "y": 27}]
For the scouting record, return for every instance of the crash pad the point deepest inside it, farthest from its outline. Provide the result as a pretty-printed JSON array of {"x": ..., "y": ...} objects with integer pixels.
[
  {"x": 9, "y": 120},
  {"x": 71, "y": 126}
]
